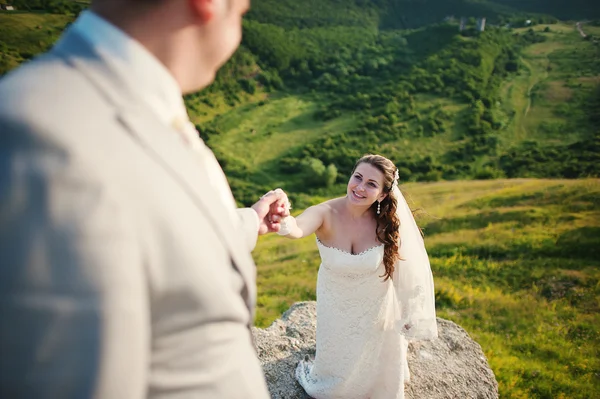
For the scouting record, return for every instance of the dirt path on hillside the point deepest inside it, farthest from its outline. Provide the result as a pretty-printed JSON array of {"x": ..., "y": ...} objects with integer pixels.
[
  {"x": 580, "y": 29},
  {"x": 535, "y": 81},
  {"x": 528, "y": 100}
]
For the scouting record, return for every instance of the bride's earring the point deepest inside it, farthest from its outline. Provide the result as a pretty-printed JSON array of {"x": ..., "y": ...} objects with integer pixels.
[{"x": 378, "y": 207}]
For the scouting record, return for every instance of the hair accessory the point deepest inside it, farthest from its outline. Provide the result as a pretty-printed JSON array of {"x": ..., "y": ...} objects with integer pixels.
[{"x": 396, "y": 179}]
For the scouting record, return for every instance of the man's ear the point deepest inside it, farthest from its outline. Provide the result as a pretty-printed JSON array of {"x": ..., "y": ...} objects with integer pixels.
[{"x": 205, "y": 10}]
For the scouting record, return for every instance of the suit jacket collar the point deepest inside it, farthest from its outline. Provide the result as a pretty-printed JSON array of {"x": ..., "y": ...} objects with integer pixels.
[
  {"x": 162, "y": 143},
  {"x": 146, "y": 75}
]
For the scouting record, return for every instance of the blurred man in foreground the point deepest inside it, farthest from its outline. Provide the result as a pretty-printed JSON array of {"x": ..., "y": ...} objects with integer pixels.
[{"x": 125, "y": 266}]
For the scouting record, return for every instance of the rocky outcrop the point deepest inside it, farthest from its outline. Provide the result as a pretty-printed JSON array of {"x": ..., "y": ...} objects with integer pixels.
[{"x": 451, "y": 366}]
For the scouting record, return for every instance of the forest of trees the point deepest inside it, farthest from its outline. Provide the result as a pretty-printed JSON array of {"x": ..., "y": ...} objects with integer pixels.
[{"x": 376, "y": 76}]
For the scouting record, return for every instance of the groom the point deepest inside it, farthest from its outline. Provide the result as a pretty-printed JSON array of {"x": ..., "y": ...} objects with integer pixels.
[{"x": 125, "y": 269}]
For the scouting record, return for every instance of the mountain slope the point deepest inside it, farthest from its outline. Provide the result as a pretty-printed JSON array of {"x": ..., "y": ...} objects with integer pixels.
[
  {"x": 441, "y": 104},
  {"x": 515, "y": 261}
]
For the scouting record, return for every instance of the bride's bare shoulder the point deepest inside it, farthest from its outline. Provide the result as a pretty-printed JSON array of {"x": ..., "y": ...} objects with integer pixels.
[
  {"x": 332, "y": 205},
  {"x": 326, "y": 208},
  {"x": 327, "y": 211}
]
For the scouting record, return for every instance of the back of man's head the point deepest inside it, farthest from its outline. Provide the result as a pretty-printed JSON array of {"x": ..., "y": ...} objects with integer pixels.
[{"x": 193, "y": 38}]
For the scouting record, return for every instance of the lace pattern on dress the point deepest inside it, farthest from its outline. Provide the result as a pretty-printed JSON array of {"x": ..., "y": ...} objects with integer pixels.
[
  {"x": 355, "y": 357},
  {"x": 349, "y": 253}
]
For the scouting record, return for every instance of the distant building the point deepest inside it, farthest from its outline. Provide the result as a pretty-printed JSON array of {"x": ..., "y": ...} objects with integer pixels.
[
  {"x": 481, "y": 24},
  {"x": 6, "y": 7},
  {"x": 463, "y": 24}
]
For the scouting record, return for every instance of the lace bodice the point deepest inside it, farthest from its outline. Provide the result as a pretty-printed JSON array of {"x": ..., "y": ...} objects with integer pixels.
[
  {"x": 357, "y": 357},
  {"x": 347, "y": 264}
]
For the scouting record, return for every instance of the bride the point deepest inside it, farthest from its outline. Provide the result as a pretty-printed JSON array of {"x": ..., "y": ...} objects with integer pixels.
[{"x": 374, "y": 287}]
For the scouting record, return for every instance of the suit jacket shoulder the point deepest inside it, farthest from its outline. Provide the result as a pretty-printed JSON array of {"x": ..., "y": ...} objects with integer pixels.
[{"x": 119, "y": 269}]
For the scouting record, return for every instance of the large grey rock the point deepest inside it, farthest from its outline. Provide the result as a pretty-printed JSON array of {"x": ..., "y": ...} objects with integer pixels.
[{"x": 451, "y": 366}]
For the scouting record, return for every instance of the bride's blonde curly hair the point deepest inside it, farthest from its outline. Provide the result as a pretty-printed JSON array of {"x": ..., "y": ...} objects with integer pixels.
[{"x": 388, "y": 223}]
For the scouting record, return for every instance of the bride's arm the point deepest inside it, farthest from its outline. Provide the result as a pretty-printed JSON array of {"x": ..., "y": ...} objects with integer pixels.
[{"x": 305, "y": 224}]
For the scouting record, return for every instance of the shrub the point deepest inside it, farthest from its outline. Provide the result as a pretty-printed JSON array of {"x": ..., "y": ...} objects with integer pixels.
[
  {"x": 248, "y": 85},
  {"x": 290, "y": 165},
  {"x": 488, "y": 173},
  {"x": 326, "y": 113},
  {"x": 432, "y": 175},
  {"x": 316, "y": 174}
]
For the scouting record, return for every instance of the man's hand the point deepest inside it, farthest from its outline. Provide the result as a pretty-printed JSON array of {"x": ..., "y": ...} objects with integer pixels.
[{"x": 271, "y": 208}]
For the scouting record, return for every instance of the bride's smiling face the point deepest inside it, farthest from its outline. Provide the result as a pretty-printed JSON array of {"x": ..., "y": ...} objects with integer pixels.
[{"x": 366, "y": 185}]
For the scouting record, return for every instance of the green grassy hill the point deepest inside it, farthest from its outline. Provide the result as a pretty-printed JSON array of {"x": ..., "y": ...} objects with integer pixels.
[
  {"x": 515, "y": 262},
  {"x": 442, "y": 104},
  {"x": 507, "y": 103},
  {"x": 556, "y": 72},
  {"x": 25, "y": 34}
]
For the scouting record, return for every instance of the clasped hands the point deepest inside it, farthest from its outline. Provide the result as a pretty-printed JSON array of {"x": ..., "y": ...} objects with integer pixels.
[{"x": 271, "y": 208}]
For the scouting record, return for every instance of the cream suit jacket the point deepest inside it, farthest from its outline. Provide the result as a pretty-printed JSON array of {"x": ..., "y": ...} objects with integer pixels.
[{"x": 120, "y": 274}]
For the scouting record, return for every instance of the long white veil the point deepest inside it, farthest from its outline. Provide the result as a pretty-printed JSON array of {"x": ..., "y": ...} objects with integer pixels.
[{"x": 414, "y": 314}]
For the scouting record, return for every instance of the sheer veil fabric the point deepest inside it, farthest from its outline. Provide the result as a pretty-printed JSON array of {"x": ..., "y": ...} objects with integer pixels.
[{"x": 414, "y": 302}]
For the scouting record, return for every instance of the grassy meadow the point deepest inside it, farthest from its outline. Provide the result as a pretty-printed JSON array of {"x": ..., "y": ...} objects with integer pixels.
[
  {"x": 25, "y": 34},
  {"x": 516, "y": 263}
]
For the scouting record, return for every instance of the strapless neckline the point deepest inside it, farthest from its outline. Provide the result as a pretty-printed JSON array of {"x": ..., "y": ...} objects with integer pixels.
[{"x": 349, "y": 253}]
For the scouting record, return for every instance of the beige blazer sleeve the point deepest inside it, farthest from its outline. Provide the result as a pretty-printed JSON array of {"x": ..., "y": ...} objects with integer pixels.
[
  {"x": 75, "y": 316},
  {"x": 250, "y": 225}
]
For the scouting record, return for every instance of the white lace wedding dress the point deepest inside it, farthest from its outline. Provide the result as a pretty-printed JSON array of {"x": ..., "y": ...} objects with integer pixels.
[{"x": 359, "y": 355}]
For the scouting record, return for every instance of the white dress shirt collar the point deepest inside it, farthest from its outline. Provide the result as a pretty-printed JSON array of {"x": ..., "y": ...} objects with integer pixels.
[{"x": 151, "y": 81}]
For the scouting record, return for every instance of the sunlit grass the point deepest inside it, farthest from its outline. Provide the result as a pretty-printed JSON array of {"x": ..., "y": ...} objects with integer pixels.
[
  {"x": 516, "y": 263},
  {"x": 31, "y": 32},
  {"x": 258, "y": 133},
  {"x": 591, "y": 30}
]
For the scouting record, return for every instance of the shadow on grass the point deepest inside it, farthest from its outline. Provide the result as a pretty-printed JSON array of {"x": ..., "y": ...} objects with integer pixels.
[
  {"x": 570, "y": 200},
  {"x": 532, "y": 350},
  {"x": 583, "y": 242},
  {"x": 304, "y": 121},
  {"x": 484, "y": 219},
  {"x": 580, "y": 243}
]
